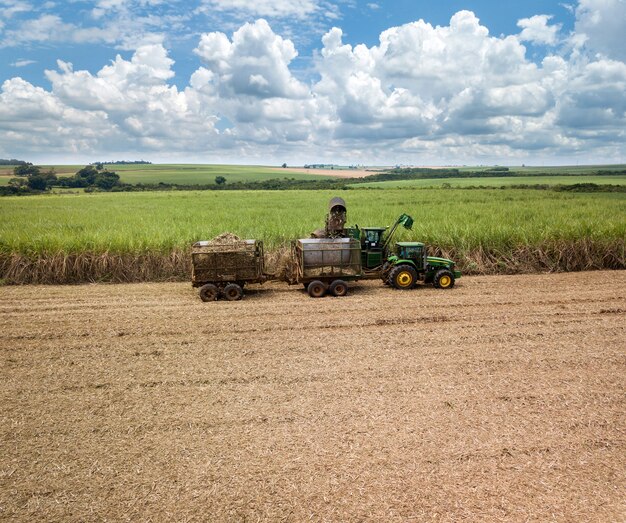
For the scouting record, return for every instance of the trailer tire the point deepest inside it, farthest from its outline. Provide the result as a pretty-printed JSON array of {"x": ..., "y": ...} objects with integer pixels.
[
  {"x": 316, "y": 289},
  {"x": 338, "y": 288},
  {"x": 444, "y": 279},
  {"x": 232, "y": 292},
  {"x": 403, "y": 277},
  {"x": 209, "y": 292}
]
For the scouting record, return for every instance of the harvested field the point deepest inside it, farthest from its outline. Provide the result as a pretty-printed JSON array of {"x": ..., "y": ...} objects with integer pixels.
[
  {"x": 500, "y": 400},
  {"x": 337, "y": 173}
]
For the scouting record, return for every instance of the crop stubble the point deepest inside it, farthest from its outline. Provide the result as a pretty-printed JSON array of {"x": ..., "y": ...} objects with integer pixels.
[{"x": 502, "y": 399}]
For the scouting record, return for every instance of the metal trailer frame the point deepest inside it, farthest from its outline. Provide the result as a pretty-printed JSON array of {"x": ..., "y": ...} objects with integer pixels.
[{"x": 337, "y": 264}]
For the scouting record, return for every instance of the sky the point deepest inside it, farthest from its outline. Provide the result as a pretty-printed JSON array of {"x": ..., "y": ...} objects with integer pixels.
[{"x": 359, "y": 82}]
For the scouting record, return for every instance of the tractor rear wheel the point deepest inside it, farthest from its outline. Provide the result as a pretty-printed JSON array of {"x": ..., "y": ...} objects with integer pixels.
[
  {"x": 232, "y": 292},
  {"x": 316, "y": 289},
  {"x": 209, "y": 292},
  {"x": 444, "y": 279},
  {"x": 403, "y": 277},
  {"x": 338, "y": 288}
]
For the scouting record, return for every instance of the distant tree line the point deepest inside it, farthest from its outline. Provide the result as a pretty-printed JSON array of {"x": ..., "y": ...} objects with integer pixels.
[
  {"x": 124, "y": 162},
  {"x": 30, "y": 179},
  {"x": 12, "y": 162},
  {"x": 425, "y": 173},
  {"x": 275, "y": 184},
  {"x": 584, "y": 187},
  {"x": 91, "y": 177}
]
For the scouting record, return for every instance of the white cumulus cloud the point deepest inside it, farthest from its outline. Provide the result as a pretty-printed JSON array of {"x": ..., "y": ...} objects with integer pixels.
[
  {"x": 423, "y": 93},
  {"x": 537, "y": 30},
  {"x": 255, "y": 63},
  {"x": 121, "y": 23},
  {"x": 9, "y": 8},
  {"x": 602, "y": 23}
]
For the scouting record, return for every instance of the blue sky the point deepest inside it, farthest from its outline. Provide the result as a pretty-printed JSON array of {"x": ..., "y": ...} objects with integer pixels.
[{"x": 370, "y": 82}]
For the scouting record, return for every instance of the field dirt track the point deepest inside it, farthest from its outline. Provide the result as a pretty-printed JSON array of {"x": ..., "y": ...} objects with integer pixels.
[{"x": 502, "y": 399}]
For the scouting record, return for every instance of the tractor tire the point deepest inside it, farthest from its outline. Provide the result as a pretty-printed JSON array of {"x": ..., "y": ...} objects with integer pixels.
[
  {"x": 338, "y": 288},
  {"x": 232, "y": 292},
  {"x": 444, "y": 279},
  {"x": 403, "y": 277},
  {"x": 316, "y": 289},
  {"x": 209, "y": 292}
]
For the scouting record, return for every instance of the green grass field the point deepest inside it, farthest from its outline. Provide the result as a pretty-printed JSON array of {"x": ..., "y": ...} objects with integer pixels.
[{"x": 619, "y": 179}]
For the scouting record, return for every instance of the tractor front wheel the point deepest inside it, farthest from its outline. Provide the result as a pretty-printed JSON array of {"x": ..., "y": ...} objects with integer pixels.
[
  {"x": 209, "y": 292},
  {"x": 444, "y": 279},
  {"x": 403, "y": 277},
  {"x": 316, "y": 289}
]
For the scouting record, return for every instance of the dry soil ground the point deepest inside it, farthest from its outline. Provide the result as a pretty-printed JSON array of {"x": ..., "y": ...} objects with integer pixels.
[
  {"x": 350, "y": 173},
  {"x": 337, "y": 173},
  {"x": 500, "y": 400}
]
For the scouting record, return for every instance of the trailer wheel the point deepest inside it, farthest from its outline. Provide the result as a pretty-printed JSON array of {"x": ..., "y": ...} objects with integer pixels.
[
  {"x": 209, "y": 292},
  {"x": 316, "y": 289},
  {"x": 338, "y": 288},
  {"x": 444, "y": 279},
  {"x": 232, "y": 292},
  {"x": 403, "y": 277}
]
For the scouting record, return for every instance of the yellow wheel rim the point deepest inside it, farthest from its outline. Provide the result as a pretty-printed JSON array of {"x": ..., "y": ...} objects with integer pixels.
[
  {"x": 404, "y": 279},
  {"x": 445, "y": 281}
]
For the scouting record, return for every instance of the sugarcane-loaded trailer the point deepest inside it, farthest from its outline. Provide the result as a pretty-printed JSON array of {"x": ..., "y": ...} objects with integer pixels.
[{"x": 223, "y": 268}]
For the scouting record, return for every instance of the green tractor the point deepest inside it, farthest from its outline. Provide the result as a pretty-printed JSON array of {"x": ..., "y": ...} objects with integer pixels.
[
  {"x": 408, "y": 264},
  {"x": 411, "y": 264}
]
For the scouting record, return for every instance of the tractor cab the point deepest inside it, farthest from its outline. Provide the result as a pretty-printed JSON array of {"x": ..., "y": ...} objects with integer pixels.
[
  {"x": 375, "y": 243},
  {"x": 372, "y": 246},
  {"x": 413, "y": 251}
]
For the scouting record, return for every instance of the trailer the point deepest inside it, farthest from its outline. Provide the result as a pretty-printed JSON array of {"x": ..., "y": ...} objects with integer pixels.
[
  {"x": 223, "y": 268},
  {"x": 325, "y": 265}
]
